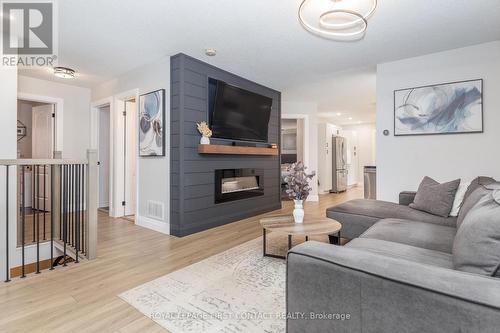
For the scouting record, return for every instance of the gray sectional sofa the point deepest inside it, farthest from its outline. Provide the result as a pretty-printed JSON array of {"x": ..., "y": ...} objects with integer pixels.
[{"x": 403, "y": 271}]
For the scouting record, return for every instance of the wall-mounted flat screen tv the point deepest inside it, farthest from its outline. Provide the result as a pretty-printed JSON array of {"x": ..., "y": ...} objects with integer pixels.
[{"x": 238, "y": 114}]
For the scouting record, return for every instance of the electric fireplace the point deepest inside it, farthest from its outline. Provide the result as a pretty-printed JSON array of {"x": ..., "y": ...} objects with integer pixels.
[{"x": 238, "y": 184}]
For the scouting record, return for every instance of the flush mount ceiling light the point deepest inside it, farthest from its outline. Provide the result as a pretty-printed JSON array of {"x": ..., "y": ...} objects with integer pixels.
[
  {"x": 343, "y": 20},
  {"x": 210, "y": 52},
  {"x": 64, "y": 72}
]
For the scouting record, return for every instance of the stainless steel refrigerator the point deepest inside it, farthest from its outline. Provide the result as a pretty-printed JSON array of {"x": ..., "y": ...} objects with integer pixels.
[{"x": 339, "y": 164}]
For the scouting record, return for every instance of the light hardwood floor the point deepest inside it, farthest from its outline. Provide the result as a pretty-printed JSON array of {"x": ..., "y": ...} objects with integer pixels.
[{"x": 83, "y": 297}]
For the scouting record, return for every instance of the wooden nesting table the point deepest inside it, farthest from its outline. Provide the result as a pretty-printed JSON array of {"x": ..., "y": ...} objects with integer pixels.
[{"x": 312, "y": 226}]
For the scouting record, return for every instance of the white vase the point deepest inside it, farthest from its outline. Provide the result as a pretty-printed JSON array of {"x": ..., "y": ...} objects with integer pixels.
[
  {"x": 298, "y": 212},
  {"x": 204, "y": 140}
]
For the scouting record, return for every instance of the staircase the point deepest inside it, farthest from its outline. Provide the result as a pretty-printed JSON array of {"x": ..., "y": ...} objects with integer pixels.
[{"x": 60, "y": 226}]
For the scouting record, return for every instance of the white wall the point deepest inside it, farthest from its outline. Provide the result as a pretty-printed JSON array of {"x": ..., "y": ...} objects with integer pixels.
[
  {"x": 24, "y": 115},
  {"x": 76, "y": 119},
  {"x": 8, "y": 150},
  {"x": 153, "y": 174},
  {"x": 292, "y": 108},
  {"x": 365, "y": 147},
  {"x": 403, "y": 161}
]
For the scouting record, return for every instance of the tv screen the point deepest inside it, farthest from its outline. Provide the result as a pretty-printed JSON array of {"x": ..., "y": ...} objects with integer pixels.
[{"x": 238, "y": 114}]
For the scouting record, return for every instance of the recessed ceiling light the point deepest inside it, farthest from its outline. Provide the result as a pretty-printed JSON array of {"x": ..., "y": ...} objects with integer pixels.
[
  {"x": 210, "y": 52},
  {"x": 338, "y": 114},
  {"x": 350, "y": 118},
  {"x": 64, "y": 72}
]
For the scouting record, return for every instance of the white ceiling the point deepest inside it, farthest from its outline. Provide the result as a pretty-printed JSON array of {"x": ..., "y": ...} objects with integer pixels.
[
  {"x": 343, "y": 98},
  {"x": 263, "y": 41}
]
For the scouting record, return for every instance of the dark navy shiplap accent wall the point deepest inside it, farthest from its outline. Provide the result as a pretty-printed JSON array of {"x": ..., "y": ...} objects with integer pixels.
[{"x": 192, "y": 189}]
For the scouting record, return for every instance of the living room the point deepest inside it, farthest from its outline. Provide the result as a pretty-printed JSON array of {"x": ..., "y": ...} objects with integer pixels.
[{"x": 215, "y": 221}]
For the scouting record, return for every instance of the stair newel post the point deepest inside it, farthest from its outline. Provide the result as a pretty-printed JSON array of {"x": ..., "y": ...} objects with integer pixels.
[
  {"x": 52, "y": 213},
  {"x": 23, "y": 220},
  {"x": 7, "y": 267},
  {"x": 92, "y": 198},
  {"x": 77, "y": 210},
  {"x": 65, "y": 209}
]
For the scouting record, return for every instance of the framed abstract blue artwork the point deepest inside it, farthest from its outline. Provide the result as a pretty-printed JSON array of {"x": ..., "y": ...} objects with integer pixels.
[
  {"x": 448, "y": 108},
  {"x": 151, "y": 124}
]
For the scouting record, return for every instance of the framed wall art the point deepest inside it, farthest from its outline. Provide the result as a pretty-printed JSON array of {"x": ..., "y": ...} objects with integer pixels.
[
  {"x": 152, "y": 124},
  {"x": 448, "y": 108}
]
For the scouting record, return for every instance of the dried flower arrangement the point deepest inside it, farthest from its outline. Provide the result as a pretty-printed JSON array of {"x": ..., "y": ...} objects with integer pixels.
[
  {"x": 203, "y": 129},
  {"x": 297, "y": 181}
]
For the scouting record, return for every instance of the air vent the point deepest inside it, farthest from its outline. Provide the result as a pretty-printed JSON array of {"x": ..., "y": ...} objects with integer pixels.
[{"x": 155, "y": 210}]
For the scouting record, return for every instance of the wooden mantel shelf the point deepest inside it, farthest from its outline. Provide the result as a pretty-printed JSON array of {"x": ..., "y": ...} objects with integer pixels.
[{"x": 236, "y": 150}]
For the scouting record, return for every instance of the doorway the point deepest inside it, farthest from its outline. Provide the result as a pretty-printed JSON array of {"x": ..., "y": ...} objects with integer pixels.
[
  {"x": 35, "y": 140},
  {"x": 292, "y": 147},
  {"x": 113, "y": 133}
]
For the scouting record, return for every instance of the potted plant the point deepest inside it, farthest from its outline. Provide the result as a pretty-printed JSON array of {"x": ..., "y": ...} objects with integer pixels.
[
  {"x": 205, "y": 132},
  {"x": 298, "y": 189}
]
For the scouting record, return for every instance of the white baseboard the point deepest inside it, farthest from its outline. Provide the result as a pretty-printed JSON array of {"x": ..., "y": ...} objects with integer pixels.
[
  {"x": 313, "y": 198},
  {"x": 159, "y": 226}
]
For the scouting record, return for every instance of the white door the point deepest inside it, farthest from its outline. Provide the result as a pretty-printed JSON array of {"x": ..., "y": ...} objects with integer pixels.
[
  {"x": 104, "y": 129},
  {"x": 130, "y": 156},
  {"x": 42, "y": 148}
]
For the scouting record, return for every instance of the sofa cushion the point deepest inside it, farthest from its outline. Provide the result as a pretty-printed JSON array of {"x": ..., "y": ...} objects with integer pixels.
[
  {"x": 403, "y": 251},
  {"x": 379, "y": 210},
  {"x": 476, "y": 183},
  {"x": 435, "y": 198},
  {"x": 476, "y": 248},
  {"x": 420, "y": 234},
  {"x": 471, "y": 200},
  {"x": 353, "y": 224}
]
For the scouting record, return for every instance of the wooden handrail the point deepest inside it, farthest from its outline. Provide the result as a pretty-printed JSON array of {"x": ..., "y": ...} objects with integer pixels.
[{"x": 29, "y": 161}]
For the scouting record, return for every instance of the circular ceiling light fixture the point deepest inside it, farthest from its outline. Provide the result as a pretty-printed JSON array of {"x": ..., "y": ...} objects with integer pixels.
[
  {"x": 343, "y": 20},
  {"x": 211, "y": 52},
  {"x": 64, "y": 72}
]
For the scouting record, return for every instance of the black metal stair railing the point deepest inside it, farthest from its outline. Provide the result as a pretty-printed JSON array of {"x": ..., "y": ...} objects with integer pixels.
[{"x": 57, "y": 218}]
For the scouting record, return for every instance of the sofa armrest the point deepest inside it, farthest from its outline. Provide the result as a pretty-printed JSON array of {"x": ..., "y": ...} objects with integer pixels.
[
  {"x": 384, "y": 294},
  {"x": 406, "y": 197}
]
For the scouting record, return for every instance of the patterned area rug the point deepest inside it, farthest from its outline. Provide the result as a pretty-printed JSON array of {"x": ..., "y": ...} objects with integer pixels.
[{"x": 238, "y": 290}]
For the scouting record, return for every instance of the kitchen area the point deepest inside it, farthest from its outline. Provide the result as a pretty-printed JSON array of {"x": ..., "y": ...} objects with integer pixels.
[{"x": 346, "y": 158}]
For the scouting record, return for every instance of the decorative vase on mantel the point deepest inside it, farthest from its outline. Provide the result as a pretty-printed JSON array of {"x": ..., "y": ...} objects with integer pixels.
[
  {"x": 298, "y": 212},
  {"x": 205, "y": 132},
  {"x": 204, "y": 140}
]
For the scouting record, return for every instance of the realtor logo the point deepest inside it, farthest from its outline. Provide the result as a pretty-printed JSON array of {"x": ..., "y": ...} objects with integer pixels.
[{"x": 28, "y": 33}]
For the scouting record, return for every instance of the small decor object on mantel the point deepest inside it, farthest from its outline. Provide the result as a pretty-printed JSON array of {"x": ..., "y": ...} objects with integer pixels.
[
  {"x": 205, "y": 132},
  {"x": 298, "y": 189}
]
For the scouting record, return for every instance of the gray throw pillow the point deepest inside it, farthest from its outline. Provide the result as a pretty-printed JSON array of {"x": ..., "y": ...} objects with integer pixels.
[
  {"x": 469, "y": 202},
  {"x": 476, "y": 183},
  {"x": 435, "y": 198},
  {"x": 476, "y": 248}
]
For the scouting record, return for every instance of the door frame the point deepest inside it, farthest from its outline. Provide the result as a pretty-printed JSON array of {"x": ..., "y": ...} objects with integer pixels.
[
  {"x": 95, "y": 109},
  {"x": 120, "y": 162},
  {"x": 117, "y": 163},
  {"x": 305, "y": 140},
  {"x": 58, "y": 130}
]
